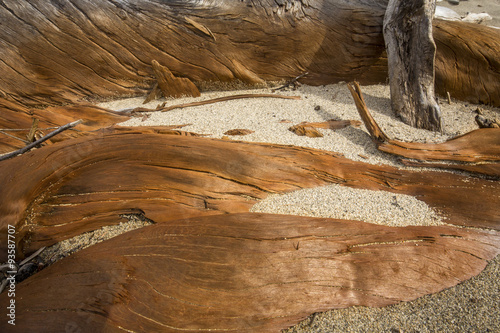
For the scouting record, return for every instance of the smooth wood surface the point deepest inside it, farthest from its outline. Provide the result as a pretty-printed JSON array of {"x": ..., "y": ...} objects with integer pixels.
[
  {"x": 82, "y": 184},
  {"x": 243, "y": 273}
]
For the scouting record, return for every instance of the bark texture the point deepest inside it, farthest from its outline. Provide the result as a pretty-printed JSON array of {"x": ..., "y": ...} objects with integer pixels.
[
  {"x": 468, "y": 61},
  {"x": 59, "y": 52},
  {"x": 411, "y": 51},
  {"x": 13, "y": 115},
  {"x": 244, "y": 273},
  {"x": 82, "y": 184}
]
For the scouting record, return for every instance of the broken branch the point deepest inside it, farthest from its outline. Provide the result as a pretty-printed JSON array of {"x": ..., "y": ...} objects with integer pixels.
[
  {"x": 289, "y": 83},
  {"x": 477, "y": 151},
  {"x": 209, "y": 101},
  {"x": 39, "y": 141},
  {"x": 376, "y": 133}
]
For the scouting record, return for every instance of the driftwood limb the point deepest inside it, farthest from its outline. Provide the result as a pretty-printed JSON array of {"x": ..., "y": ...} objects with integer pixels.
[
  {"x": 375, "y": 132},
  {"x": 269, "y": 42},
  {"x": 477, "y": 151},
  {"x": 40, "y": 141},
  {"x": 410, "y": 52},
  {"x": 172, "y": 86},
  {"x": 73, "y": 189},
  {"x": 244, "y": 273},
  {"x": 209, "y": 101}
]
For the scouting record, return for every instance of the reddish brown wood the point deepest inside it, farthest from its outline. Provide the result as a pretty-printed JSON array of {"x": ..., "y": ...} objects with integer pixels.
[
  {"x": 239, "y": 131},
  {"x": 16, "y": 116},
  {"x": 305, "y": 130},
  {"x": 244, "y": 273},
  {"x": 310, "y": 129},
  {"x": 478, "y": 151},
  {"x": 172, "y": 86},
  {"x": 60, "y": 53},
  {"x": 467, "y": 61},
  {"x": 82, "y": 184}
]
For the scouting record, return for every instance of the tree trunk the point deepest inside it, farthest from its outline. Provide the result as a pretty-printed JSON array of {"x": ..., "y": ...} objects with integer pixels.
[
  {"x": 59, "y": 52},
  {"x": 411, "y": 52}
]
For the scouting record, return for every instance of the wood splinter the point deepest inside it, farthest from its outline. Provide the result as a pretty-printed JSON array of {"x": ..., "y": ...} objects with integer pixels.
[{"x": 172, "y": 86}]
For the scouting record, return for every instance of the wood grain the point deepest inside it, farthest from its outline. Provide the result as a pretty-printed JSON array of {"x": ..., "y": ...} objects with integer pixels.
[
  {"x": 244, "y": 273},
  {"x": 82, "y": 184},
  {"x": 13, "y": 115},
  {"x": 477, "y": 151},
  {"x": 54, "y": 53}
]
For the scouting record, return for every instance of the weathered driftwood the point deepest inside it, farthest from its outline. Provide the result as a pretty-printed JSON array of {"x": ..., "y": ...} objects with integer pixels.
[
  {"x": 82, "y": 184},
  {"x": 56, "y": 52},
  {"x": 310, "y": 129},
  {"x": 465, "y": 68},
  {"x": 39, "y": 141},
  {"x": 477, "y": 151},
  {"x": 163, "y": 108},
  {"x": 244, "y": 273},
  {"x": 305, "y": 130},
  {"x": 172, "y": 86},
  {"x": 411, "y": 51},
  {"x": 239, "y": 131},
  {"x": 14, "y": 116}
]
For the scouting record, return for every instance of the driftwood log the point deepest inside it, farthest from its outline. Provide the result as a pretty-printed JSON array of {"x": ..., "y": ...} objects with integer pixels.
[
  {"x": 61, "y": 52},
  {"x": 82, "y": 184},
  {"x": 16, "y": 116},
  {"x": 244, "y": 273},
  {"x": 477, "y": 151}
]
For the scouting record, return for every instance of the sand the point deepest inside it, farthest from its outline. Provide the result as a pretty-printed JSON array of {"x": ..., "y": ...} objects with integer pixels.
[
  {"x": 473, "y": 306},
  {"x": 491, "y": 7}
]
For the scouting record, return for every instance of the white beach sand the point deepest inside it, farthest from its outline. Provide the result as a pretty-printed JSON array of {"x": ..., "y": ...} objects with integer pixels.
[{"x": 473, "y": 306}]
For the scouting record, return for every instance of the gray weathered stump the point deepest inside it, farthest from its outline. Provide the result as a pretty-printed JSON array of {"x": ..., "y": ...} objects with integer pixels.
[{"x": 411, "y": 52}]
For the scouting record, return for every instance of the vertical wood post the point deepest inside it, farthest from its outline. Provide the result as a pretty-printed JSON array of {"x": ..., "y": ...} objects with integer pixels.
[{"x": 411, "y": 52}]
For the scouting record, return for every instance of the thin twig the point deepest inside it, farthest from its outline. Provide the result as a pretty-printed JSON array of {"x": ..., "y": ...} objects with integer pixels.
[
  {"x": 14, "y": 137},
  {"x": 211, "y": 101},
  {"x": 32, "y": 256},
  {"x": 39, "y": 141},
  {"x": 24, "y": 129},
  {"x": 292, "y": 81}
]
